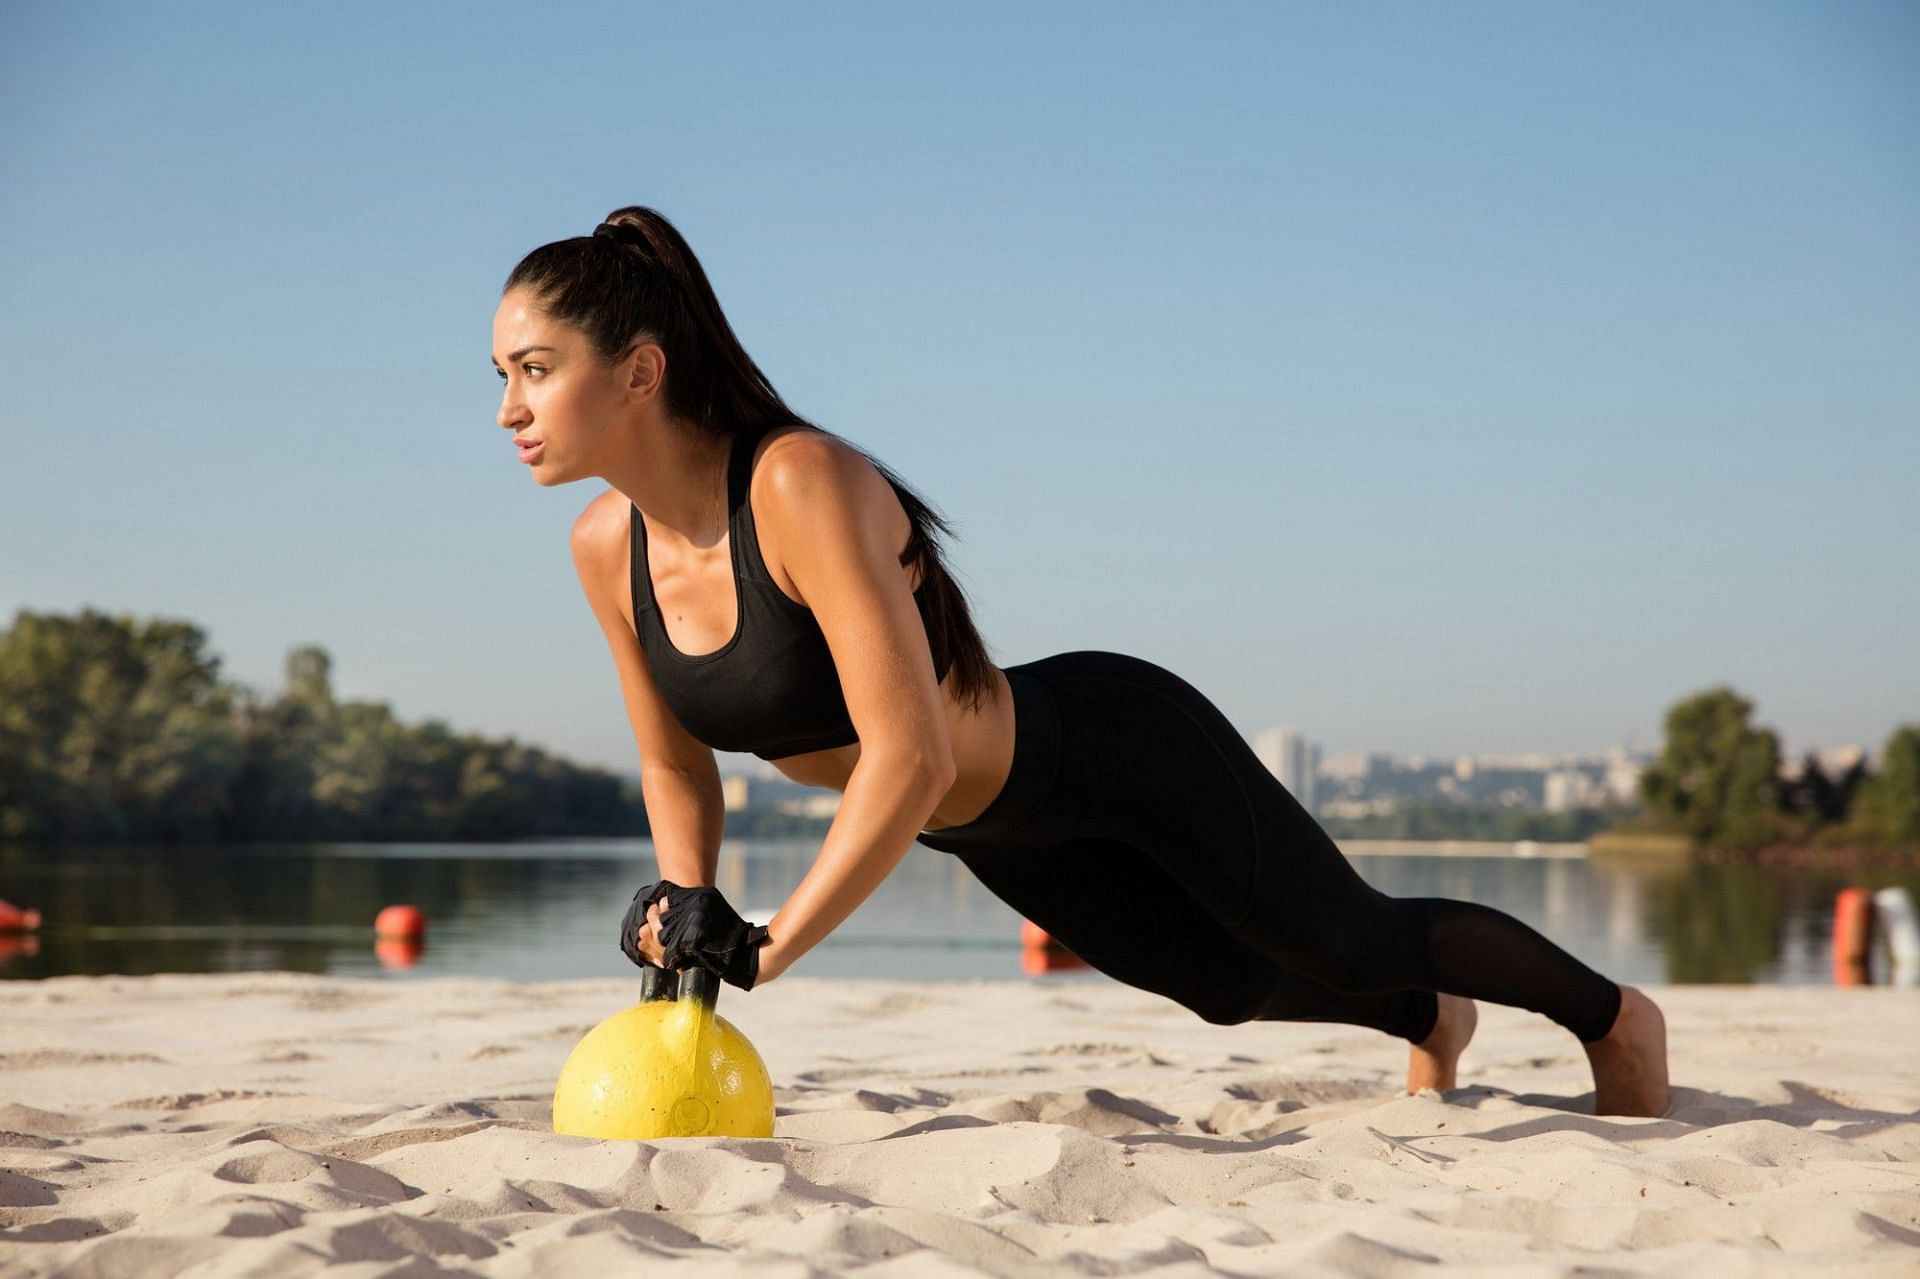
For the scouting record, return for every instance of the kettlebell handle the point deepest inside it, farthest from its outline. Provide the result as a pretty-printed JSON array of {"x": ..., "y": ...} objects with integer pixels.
[{"x": 698, "y": 984}]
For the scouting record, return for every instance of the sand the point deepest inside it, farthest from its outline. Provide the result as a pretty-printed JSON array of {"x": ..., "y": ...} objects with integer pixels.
[{"x": 279, "y": 1124}]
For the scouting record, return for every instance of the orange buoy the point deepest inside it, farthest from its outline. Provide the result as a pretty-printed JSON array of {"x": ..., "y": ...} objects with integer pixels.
[
  {"x": 400, "y": 921},
  {"x": 1033, "y": 936},
  {"x": 15, "y": 920},
  {"x": 1852, "y": 936},
  {"x": 398, "y": 952}
]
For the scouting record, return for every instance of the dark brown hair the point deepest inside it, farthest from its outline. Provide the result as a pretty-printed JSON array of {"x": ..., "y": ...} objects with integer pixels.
[{"x": 635, "y": 275}]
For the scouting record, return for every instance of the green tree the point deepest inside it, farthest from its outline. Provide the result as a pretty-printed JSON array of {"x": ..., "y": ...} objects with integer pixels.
[
  {"x": 273, "y": 794},
  {"x": 1717, "y": 777},
  {"x": 1847, "y": 789},
  {"x": 112, "y": 730},
  {"x": 1890, "y": 801},
  {"x": 1812, "y": 796},
  {"x": 356, "y": 773},
  {"x": 309, "y": 675}
]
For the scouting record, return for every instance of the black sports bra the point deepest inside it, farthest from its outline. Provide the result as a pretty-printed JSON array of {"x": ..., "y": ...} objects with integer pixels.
[{"x": 772, "y": 689}]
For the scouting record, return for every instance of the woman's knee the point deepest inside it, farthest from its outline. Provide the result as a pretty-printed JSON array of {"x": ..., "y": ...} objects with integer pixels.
[
  {"x": 1216, "y": 1002},
  {"x": 1209, "y": 976},
  {"x": 1224, "y": 1004}
]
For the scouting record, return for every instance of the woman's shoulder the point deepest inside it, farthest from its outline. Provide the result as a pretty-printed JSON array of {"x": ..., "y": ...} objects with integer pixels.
[
  {"x": 808, "y": 482},
  {"x": 606, "y": 514},
  {"x": 601, "y": 530},
  {"x": 798, "y": 465}
]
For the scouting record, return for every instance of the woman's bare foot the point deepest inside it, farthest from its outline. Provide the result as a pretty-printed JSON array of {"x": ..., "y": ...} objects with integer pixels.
[
  {"x": 1630, "y": 1064},
  {"x": 1431, "y": 1062}
]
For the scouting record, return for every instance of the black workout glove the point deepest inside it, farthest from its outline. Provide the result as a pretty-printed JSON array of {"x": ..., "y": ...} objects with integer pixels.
[
  {"x": 698, "y": 929},
  {"x": 636, "y": 918}
]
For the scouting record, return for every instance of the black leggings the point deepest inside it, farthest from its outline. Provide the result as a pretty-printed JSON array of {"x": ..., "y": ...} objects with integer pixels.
[{"x": 1139, "y": 828}]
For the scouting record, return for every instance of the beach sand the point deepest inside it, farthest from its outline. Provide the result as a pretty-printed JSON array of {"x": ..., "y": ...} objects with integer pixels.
[{"x": 278, "y": 1124}]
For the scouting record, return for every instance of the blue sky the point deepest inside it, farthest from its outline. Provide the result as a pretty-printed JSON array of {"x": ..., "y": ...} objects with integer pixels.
[{"x": 1461, "y": 378}]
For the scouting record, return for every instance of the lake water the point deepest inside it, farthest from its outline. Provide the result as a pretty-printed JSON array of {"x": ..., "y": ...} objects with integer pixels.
[{"x": 551, "y": 909}]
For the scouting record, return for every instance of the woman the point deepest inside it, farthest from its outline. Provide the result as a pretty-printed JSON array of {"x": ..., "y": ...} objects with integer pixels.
[{"x": 766, "y": 586}]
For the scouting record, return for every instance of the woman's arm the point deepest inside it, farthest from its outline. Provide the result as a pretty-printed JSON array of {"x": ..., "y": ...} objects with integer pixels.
[
  {"x": 830, "y": 509},
  {"x": 679, "y": 780},
  {"x": 686, "y": 814},
  {"x": 887, "y": 801}
]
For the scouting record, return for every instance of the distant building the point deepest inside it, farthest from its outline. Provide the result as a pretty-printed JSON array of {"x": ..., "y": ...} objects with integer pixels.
[
  {"x": 1525, "y": 762},
  {"x": 1567, "y": 789},
  {"x": 1352, "y": 766},
  {"x": 1623, "y": 777},
  {"x": 1380, "y": 807},
  {"x": 1289, "y": 756},
  {"x": 733, "y": 791},
  {"x": 810, "y": 805}
]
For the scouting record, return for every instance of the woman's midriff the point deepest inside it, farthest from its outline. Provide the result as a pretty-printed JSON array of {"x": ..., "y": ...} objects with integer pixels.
[{"x": 982, "y": 755}]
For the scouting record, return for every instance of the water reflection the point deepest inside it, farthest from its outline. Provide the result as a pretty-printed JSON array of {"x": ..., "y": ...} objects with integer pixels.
[{"x": 549, "y": 909}]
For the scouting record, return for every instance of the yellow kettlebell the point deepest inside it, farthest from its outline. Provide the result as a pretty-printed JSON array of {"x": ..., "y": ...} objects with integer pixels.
[{"x": 669, "y": 1066}]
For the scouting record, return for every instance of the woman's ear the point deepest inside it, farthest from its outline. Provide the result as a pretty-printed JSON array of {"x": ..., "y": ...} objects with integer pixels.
[{"x": 646, "y": 365}]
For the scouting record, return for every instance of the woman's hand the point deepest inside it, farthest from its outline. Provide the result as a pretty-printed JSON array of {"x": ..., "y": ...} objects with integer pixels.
[
  {"x": 649, "y": 937},
  {"x": 706, "y": 932},
  {"x": 640, "y": 926}
]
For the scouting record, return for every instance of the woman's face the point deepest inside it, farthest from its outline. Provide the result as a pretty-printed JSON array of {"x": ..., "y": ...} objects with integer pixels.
[{"x": 558, "y": 397}]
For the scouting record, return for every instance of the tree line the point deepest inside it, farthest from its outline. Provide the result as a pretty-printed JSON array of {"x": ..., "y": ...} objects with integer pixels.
[
  {"x": 113, "y": 729},
  {"x": 1719, "y": 783}
]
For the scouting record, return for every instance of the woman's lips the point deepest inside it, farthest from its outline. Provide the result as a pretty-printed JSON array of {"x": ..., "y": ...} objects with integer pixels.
[{"x": 531, "y": 452}]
